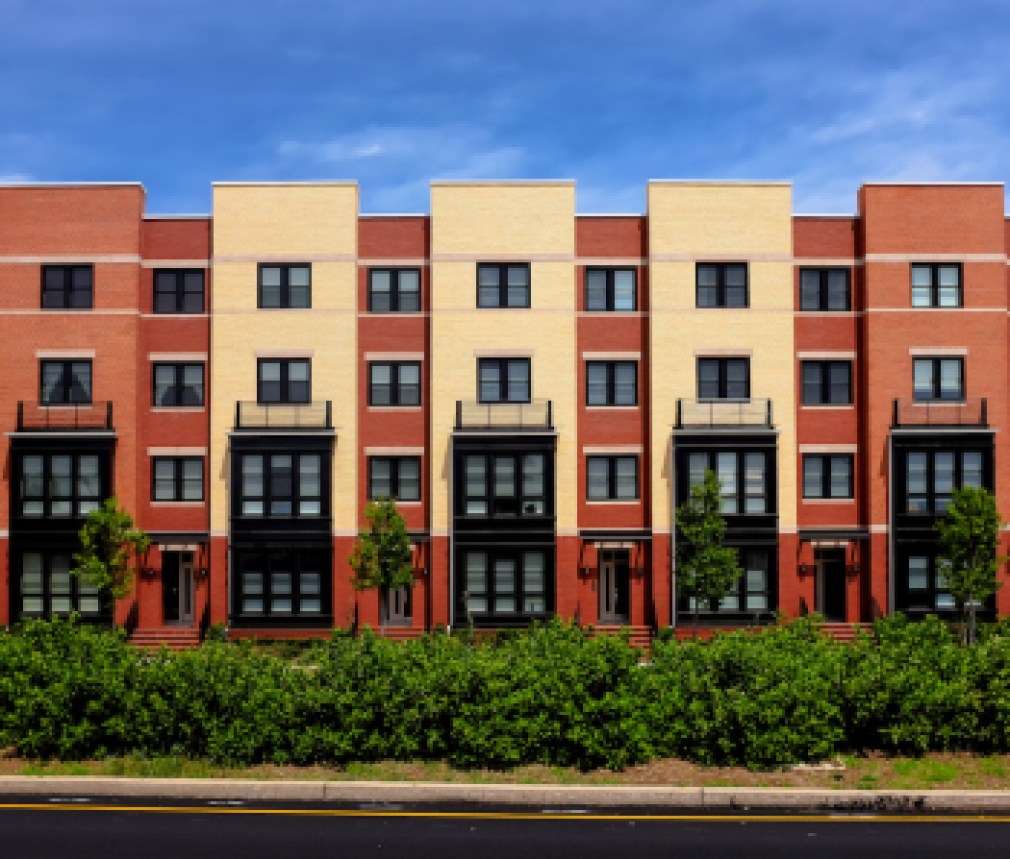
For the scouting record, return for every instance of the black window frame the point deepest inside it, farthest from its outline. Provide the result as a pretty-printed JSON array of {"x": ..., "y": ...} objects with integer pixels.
[
  {"x": 737, "y": 601},
  {"x": 736, "y": 498},
  {"x": 79, "y": 588},
  {"x": 493, "y": 593},
  {"x": 934, "y": 289},
  {"x": 62, "y": 296},
  {"x": 284, "y": 294},
  {"x": 722, "y": 290},
  {"x": 723, "y": 365},
  {"x": 822, "y": 386},
  {"x": 828, "y": 462},
  {"x": 398, "y": 390},
  {"x": 178, "y": 387},
  {"x": 611, "y": 388},
  {"x": 396, "y": 481},
  {"x": 936, "y": 393},
  {"x": 504, "y": 366},
  {"x": 272, "y": 496},
  {"x": 79, "y": 504},
  {"x": 295, "y": 561},
  {"x": 504, "y": 290},
  {"x": 609, "y": 304},
  {"x": 396, "y": 292},
  {"x": 179, "y": 479},
  {"x": 284, "y": 396},
  {"x": 522, "y": 502},
  {"x": 178, "y": 293},
  {"x": 612, "y": 463},
  {"x": 932, "y": 501},
  {"x": 68, "y": 379},
  {"x": 823, "y": 301}
]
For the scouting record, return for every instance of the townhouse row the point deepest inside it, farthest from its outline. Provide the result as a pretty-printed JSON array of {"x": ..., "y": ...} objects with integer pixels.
[{"x": 538, "y": 390}]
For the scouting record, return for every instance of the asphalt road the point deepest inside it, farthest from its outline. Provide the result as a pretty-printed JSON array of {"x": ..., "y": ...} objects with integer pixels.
[{"x": 57, "y": 829}]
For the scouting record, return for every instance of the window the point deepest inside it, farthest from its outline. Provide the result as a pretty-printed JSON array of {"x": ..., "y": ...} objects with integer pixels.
[
  {"x": 178, "y": 290},
  {"x": 502, "y": 582},
  {"x": 611, "y": 383},
  {"x": 724, "y": 378},
  {"x": 394, "y": 384},
  {"x": 282, "y": 583},
  {"x": 504, "y": 485},
  {"x": 287, "y": 380},
  {"x": 750, "y": 593},
  {"x": 826, "y": 383},
  {"x": 177, "y": 478},
  {"x": 721, "y": 285},
  {"x": 64, "y": 382},
  {"x": 925, "y": 588},
  {"x": 932, "y": 475},
  {"x": 938, "y": 378},
  {"x": 281, "y": 484},
  {"x": 503, "y": 285},
  {"x": 610, "y": 289},
  {"x": 47, "y": 586},
  {"x": 503, "y": 380},
  {"x": 59, "y": 485},
  {"x": 744, "y": 478},
  {"x": 285, "y": 286},
  {"x": 178, "y": 385},
  {"x": 827, "y": 475},
  {"x": 825, "y": 289},
  {"x": 394, "y": 290},
  {"x": 397, "y": 477},
  {"x": 936, "y": 285},
  {"x": 67, "y": 287},
  {"x": 611, "y": 478}
]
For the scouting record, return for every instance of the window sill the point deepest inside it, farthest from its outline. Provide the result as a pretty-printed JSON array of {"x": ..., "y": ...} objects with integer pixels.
[
  {"x": 624, "y": 502},
  {"x": 395, "y": 408},
  {"x": 192, "y": 504},
  {"x": 807, "y": 500},
  {"x": 827, "y": 406},
  {"x": 622, "y": 408},
  {"x": 182, "y": 409},
  {"x": 399, "y": 503}
]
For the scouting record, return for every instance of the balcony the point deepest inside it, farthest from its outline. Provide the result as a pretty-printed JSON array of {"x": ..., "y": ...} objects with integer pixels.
[
  {"x": 724, "y": 414},
  {"x": 535, "y": 416},
  {"x": 73, "y": 417},
  {"x": 972, "y": 413},
  {"x": 250, "y": 415}
]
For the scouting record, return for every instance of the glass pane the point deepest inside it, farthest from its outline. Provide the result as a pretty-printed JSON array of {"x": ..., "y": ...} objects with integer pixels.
[
  {"x": 298, "y": 371},
  {"x": 811, "y": 380},
  {"x": 192, "y": 299},
  {"x": 192, "y": 382},
  {"x": 971, "y": 468},
  {"x": 707, "y": 275},
  {"x": 627, "y": 477},
  {"x": 298, "y": 296},
  {"x": 596, "y": 290},
  {"x": 840, "y": 373},
  {"x": 697, "y": 464},
  {"x": 596, "y": 383},
  {"x": 88, "y": 482},
  {"x": 310, "y": 605},
  {"x": 280, "y": 583},
  {"x": 252, "y": 606},
  {"x": 59, "y": 482},
  {"x": 598, "y": 477},
  {"x": 379, "y": 291},
  {"x": 505, "y": 604},
  {"x": 298, "y": 276},
  {"x": 31, "y": 573},
  {"x": 841, "y": 476},
  {"x": 280, "y": 605},
  {"x": 625, "y": 387},
  {"x": 533, "y": 572},
  {"x": 490, "y": 381},
  {"x": 533, "y": 474},
  {"x": 813, "y": 476},
  {"x": 810, "y": 291},
  {"x": 922, "y": 378},
  {"x": 475, "y": 564},
  {"x": 504, "y": 476},
  {"x": 309, "y": 583},
  {"x": 916, "y": 473},
  {"x": 252, "y": 583},
  {"x": 475, "y": 468},
  {"x": 270, "y": 276},
  {"x": 192, "y": 479},
  {"x": 708, "y": 379},
  {"x": 534, "y": 605},
  {"x": 838, "y": 290},
  {"x": 754, "y": 483},
  {"x": 252, "y": 475},
  {"x": 737, "y": 378},
  {"x": 487, "y": 275},
  {"x": 518, "y": 381},
  {"x": 950, "y": 275},
  {"x": 918, "y": 573},
  {"x": 950, "y": 379},
  {"x": 624, "y": 289},
  {"x": 504, "y": 576},
  {"x": 726, "y": 472},
  {"x": 309, "y": 468}
]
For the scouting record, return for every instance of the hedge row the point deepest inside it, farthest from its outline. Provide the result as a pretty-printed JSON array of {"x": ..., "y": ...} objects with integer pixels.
[{"x": 553, "y": 695}]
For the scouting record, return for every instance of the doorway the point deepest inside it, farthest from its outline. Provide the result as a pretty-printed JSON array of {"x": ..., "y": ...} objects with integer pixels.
[
  {"x": 177, "y": 588},
  {"x": 614, "y": 569},
  {"x": 830, "y": 584},
  {"x": 396, "y": 606}
]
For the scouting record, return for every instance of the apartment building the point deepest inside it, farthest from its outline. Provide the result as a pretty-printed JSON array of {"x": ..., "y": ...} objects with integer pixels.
[{"x": 538, "y": 389}]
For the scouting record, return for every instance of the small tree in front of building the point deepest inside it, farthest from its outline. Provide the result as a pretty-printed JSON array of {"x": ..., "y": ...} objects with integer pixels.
[
  {"x": 110, "y": 547},
  {"x": 706, "y": 569},
  {"x": 381, "y": 559},
  {"x": 969, "y": 558}
]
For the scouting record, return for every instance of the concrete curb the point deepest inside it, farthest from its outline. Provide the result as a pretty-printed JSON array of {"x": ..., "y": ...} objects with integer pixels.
[{"x": 357, "y": 793}]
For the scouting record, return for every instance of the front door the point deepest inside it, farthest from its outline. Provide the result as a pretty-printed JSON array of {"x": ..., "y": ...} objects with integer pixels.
[
  {"x": 396, "y": 606},
  {"x": 830, "y": 566},
  {"x": 614, "y": 586},
  {"x": 177, "y": 587}
]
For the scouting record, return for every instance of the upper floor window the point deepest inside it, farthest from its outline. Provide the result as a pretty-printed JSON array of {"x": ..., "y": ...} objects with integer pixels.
[
  {"x": 285, "y": 285},
  {"x": 610, "y": 289},
  {"x": 178, "y": 290},
  {"x": 67, "y": 287},
  {"x": 826, "y": 383},
  {"x": 64, "y": 382},
  {"x": 397, "y": 477},
  {"x": 60, "y": 485},
  {"x": 936, "y": 285},
  {"x": 743, "y": 478},
  {"x": 724, "y": 378},
  {"x": 503, "y": 285},
  {"x": 503, "y": 380},
  {"x": 825, "y": 289},
  {"x": 396, "y": 383},
  {"x": 611, "y": 478},
  {"x": 721, "y": 284},
  {"x": 611, "y": 383},
  {"x": 827, "y": 475},
  {"x": 280, "y": 484},
  {"x": 177, "y": 478},
  {"x": 394, "y": 290},
  {"x": 938, "y": 378},
  {"x": 178, "y": 385},
  {"x": 505, "y": 484},
  {"x": 287, "y": 380},
  {"x": 932, "y": 475}
]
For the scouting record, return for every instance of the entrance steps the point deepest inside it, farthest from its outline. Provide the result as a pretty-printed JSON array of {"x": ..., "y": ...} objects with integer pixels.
[
  {"x": 639, "y": 636},
  {"x": 401, "y": 633},
  {"x": 843, "y": 631},
  {"x": 172, "y": 637}
]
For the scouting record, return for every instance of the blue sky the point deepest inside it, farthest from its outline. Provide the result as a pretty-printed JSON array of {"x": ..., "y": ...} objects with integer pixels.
[{"x": 827, "y": 94}]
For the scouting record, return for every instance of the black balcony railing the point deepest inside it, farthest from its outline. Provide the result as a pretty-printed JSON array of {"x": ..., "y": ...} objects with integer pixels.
[
  {"x": 72, "y": 417},
  {"x": 536, "y": 415},
  {"x": 250, "y": 415},
  {"x": 972, "y": 412},
  {"x": 724, "y": 413}
]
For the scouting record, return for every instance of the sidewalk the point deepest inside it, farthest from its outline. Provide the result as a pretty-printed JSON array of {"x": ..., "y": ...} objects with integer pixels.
[{"x": 653, "y": 798}]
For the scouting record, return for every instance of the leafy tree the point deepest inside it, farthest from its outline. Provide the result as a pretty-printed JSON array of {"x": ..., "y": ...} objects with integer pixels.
[
  {"x": 382, "y": 555},
  {"x": 706, "y": 569},
  {"x": 110, "y": 546},
  {"x": 969, "y": 559}
]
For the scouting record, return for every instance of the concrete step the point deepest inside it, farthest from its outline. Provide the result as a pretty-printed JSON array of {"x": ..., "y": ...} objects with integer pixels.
[
  {"x": 639, "y": 636},
  {"x": 172, "y": 637},
  {"x": 842, "y": 631}
]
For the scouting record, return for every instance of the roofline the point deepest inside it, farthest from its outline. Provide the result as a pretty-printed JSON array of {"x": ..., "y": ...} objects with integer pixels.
[
  {"x": 497, "y": 183},
  {"x": 72, "y": 185},
  {"x": 337, "y": 183},
  {"x": 931, "y": 184},
  {"x": 394, "y": 214},
  {"x": 179, "y": 217},
  {"x": 611, "y": 215},
  {"x": 769, "y": 183}
]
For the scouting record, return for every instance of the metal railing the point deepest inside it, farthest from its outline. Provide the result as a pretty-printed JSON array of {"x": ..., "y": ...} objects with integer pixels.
[
  {"x": 52, "y": 417},
  {"x": 756, "y": 412},
  {"x": 250, "y": 415},
  {"x": 535, "y": 415},
  {"x": 972, "y": 412}
]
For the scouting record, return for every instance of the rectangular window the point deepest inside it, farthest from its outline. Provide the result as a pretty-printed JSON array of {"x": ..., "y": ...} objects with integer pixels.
[
  {"x": 64, "y": 382},
  {"x": 743, "y": 475},
  {"x": 938, "y": 379},
  {"x": 177, "y": 478},
  {"x": 285, "y": 286},
  {"x": 611, "y": 383},
  {"x": 504, "y": 485},
  {"x": 504, "y": 582},
  {"x": 396, "y": 477},
  {"x": 286, "y": 380},
  {"x": 925, "y": 587},
  {"x": 936, "y": 285},
  {"x": 177, "y": 385},
  {"x": 178, "y": 290},
  {"x": 721, "y": 285},
  {"x": 827, "y": 475},
  {"x": 610, "y": 289},
  {"x": 503, "y": 285},
  {"x": 59, "y": 485},
  {"x": 394, "y": 383},
  {"x": 826, "y": 383},
  {"x": 932, "y": 475},
  {"x": 281, "y": 485},
  {"x": 288, "y": 584},
  {"x": 611, "y": 478},
  {"x": 503, "y": 380},
  {"x": 394, "y": 290},
  {"x": 724, "y": 378},
  {"x": 825, "y": 289},
  {"x": 67, "y": 287},
  {"x": 47, "y": 587}
]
